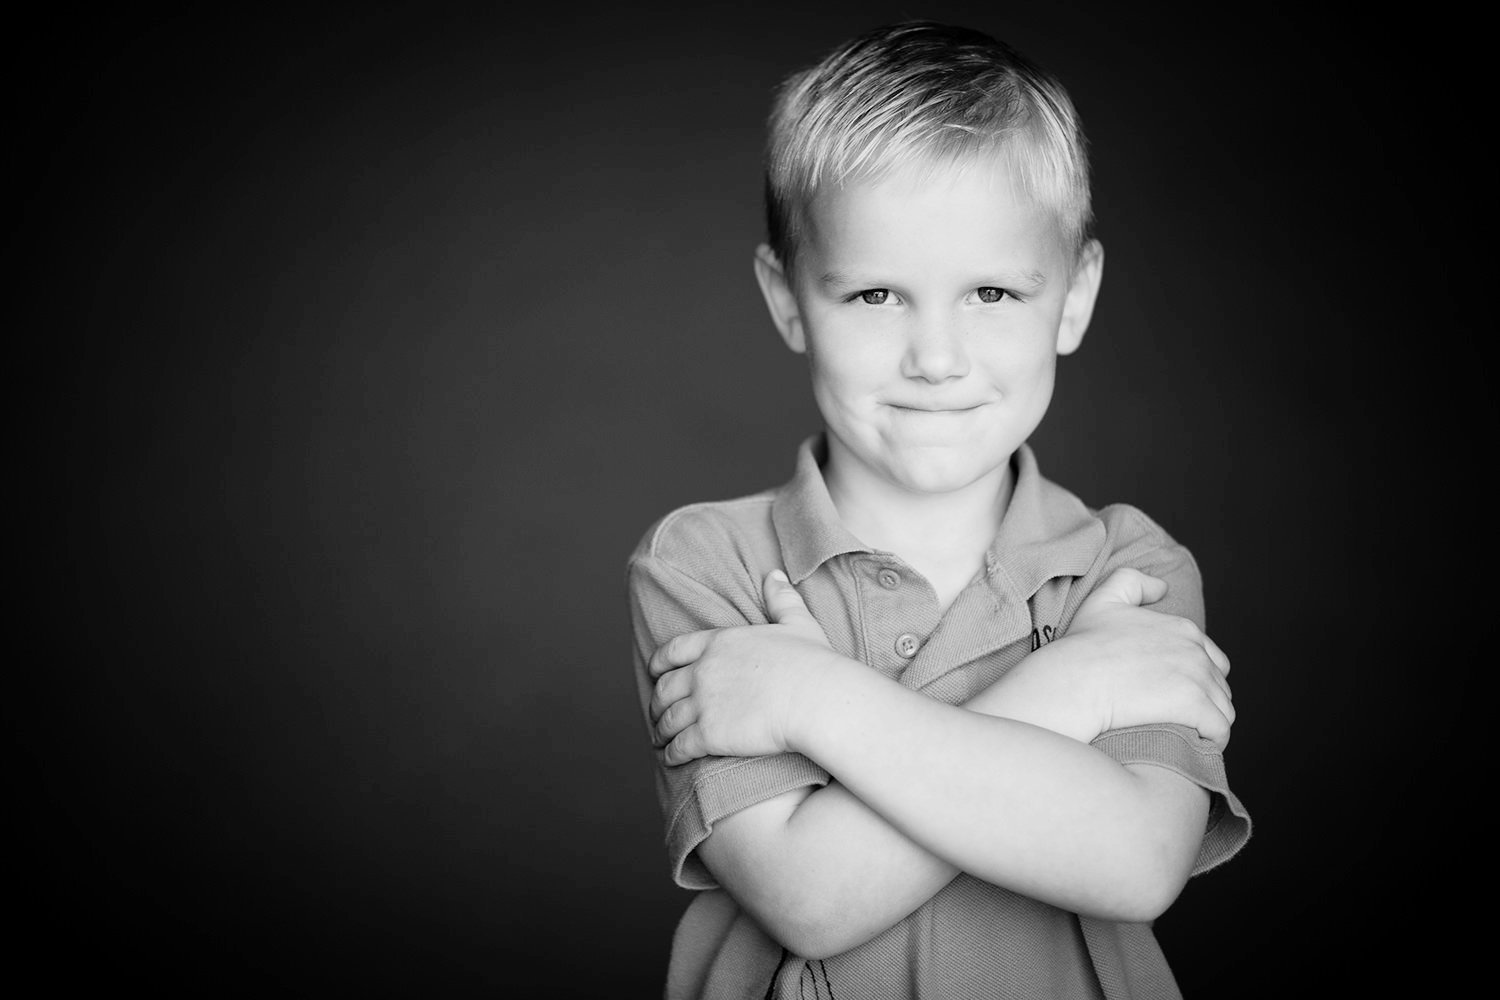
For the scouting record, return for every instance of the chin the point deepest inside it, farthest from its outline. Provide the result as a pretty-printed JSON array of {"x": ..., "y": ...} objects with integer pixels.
[{"x": 937, "y": 477}]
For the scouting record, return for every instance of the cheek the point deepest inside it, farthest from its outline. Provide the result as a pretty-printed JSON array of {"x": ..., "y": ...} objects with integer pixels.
[
  {"x": 827, "y": 382},
  {"x": 1040, "y": 374},
  {"x": 1043, "y": 363},
  {"x": 834, "y": 389},
  {"x": 1038, "y": 385},
  {"x": 1022, "y": 367},
  {"x": 838, "y": 369}
]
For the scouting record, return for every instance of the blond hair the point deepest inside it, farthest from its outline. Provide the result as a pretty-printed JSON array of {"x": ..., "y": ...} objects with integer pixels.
[{"x": 923, "y": 93}]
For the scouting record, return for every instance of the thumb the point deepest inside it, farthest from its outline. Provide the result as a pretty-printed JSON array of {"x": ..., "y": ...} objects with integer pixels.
[
  {"x": 783, "y": 604},
  {"x": 1130, "y": 586}
]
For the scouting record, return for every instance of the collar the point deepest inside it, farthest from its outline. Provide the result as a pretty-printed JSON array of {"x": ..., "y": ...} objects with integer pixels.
[
  {"x": 807, "y": 524},
  {"x": 1046, "y": 531}
]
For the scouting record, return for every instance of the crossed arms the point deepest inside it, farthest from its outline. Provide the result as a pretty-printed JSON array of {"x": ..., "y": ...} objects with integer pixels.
[{"x": 1005, "y": 787}]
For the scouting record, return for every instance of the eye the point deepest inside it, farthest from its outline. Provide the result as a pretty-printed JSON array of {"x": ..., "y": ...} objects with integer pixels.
[
  {"x": 875, "y": 296},
  {"x": 991, "y": 294}
]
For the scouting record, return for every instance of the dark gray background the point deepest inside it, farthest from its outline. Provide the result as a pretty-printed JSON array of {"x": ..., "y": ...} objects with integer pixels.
[{"x": 368, "y": 348}]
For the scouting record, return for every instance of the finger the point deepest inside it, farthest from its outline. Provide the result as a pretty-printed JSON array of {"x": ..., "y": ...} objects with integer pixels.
[
  {"x": 674, "y": 719},
  {"x": 687, "y": 746},
  {"x": 672, "y": 686},
  {"x": 1217, "y": 667},
  {"x": 1223, "y": 702},
  {"x": 783, "y": 604},
  {"x": 1215, "y": 726},
  {"x": 1221, "y": 684},
  {"x": 678, "y": 651},
  {"x": 1217, "y": 655},
  {"x": 1128, "y": 585}
]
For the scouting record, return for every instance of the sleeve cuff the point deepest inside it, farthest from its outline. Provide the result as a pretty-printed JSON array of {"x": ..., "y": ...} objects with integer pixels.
[
  {"x": 724, "y": 788},
  {"x": 1201, "y": 761}
]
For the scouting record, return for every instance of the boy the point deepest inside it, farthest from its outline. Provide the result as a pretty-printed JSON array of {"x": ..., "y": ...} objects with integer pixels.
[{"x": 927, "y": 725}]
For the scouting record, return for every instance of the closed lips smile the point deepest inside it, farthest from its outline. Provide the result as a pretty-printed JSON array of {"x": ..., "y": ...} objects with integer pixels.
[{"x": 935, "y": 409}]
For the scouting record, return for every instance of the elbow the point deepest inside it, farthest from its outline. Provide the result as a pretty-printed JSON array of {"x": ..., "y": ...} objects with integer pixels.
[
  {"x": 813, "y": 932},
  {"x": 1170, "y": 880},
  {"x": 811, "y": 946},
  {"x": 1146, "y": 886},
  {"x": 1153, "y": 855},
  {"x": 1146, "y": 902},
  {"x": 816, "y": 927},
  {"x": 1131, "y": 901}
]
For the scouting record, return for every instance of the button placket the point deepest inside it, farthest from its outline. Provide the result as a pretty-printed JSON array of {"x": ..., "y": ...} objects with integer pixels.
[{"x": 896, "y": 613}]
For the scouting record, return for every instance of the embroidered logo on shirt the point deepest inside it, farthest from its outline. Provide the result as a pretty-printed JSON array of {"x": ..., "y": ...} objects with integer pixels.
[{"x": 1041, "y": 636}]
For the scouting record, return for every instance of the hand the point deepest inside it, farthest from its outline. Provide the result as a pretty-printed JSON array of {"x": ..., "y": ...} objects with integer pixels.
[
  {"x": 738, "y": 691},
  {"x": 1120, "y": 664}
]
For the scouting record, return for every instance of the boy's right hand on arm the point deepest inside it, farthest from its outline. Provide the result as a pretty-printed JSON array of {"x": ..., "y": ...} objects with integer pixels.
[
  {"x": 1120, "y": 664},
  {"x": 740, "y": 691}
]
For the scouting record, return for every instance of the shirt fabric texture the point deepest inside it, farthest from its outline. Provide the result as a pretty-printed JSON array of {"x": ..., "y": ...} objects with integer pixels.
[{"x": 702, "y": 567}]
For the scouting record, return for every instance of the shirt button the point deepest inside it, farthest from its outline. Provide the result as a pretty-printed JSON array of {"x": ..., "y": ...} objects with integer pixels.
[
  {"x": 907, "y": 645},
  {"x": 889, "y": 579}
]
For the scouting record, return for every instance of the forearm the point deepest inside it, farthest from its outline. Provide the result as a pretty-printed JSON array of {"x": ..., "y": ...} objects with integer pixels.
[
  {"x": 820, "y": 870},
  {"x": 1005, "y": 801},
  {"x": 824, "y": 872}
]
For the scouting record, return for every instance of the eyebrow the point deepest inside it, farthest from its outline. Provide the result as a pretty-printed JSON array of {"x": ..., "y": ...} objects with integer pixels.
[
  {"x": 1030, "y": 279},
  {"x": 836, "y": 279}
]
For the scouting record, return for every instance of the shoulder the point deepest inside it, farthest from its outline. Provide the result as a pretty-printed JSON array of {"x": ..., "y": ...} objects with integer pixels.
[
  {"x": 1117, "y": 534},
  {"x": 722, "y": 547},
  {"x": 1130, "y": 529},
  {"x": 1136, "y": 540},
  {"x": 712, "y": 530}
]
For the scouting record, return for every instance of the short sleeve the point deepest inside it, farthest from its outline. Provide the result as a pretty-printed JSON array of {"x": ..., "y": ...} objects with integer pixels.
[
  {"x": 1138, "y": 542},
  {"x": 1181, "y": 749},
  {"x": 665, "y": 602}
]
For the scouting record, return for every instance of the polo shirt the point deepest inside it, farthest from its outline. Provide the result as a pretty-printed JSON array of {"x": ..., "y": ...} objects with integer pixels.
[{"x": 702, "y": 566}]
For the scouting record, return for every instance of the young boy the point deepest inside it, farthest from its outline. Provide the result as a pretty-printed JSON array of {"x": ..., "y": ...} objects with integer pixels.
[{"x": 927, "y": 725}]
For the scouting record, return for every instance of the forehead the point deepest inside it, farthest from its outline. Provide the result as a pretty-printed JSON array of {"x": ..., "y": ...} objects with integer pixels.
[{"x": 966, "y": 215}]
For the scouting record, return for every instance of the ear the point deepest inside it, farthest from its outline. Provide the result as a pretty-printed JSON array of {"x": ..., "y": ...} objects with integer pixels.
[
  {"x": 777, "y": 289},
  {"x": 1082, "y": 291}
]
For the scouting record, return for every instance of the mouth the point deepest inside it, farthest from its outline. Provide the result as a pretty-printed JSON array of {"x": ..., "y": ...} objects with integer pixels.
[{"x": 934, "y": 409}]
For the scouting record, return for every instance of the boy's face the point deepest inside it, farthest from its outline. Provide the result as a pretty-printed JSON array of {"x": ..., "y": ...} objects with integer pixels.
[{"x": 932, "y": 310}]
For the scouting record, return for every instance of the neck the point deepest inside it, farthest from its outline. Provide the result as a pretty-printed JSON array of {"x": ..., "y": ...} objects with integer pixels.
[{"x": 943, "y": 535}]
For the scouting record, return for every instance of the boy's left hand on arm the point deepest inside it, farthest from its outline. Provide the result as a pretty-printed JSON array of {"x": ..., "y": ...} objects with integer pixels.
[
  {"x": 739, "y": 691},
  {"x": 1120, "y": 664}
]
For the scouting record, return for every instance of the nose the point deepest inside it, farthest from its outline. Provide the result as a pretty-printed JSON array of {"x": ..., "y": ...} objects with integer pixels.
[{"x": 935, "y": 350}]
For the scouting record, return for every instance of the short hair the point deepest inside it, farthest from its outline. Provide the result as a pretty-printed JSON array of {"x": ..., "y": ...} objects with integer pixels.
[{"x": 922, "y": 92}]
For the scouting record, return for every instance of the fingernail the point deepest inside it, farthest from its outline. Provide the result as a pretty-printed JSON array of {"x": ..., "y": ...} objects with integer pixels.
[{"x": 780, "y": 575}]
